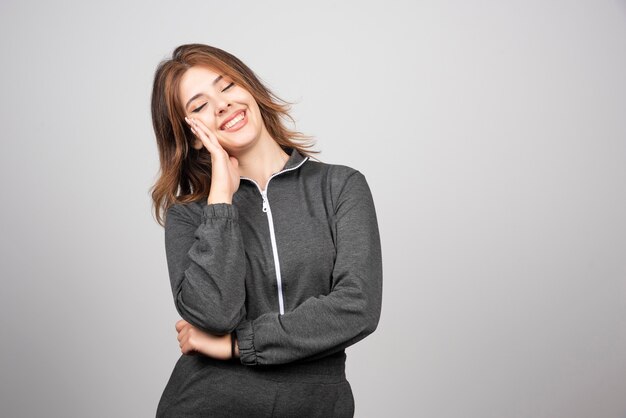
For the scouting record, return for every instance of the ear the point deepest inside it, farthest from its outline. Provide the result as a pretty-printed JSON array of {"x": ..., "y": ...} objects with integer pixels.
[{"x": 197, "y": 144}]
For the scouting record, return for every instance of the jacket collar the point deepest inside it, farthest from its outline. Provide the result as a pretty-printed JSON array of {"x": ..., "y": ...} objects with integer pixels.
[{"x": 296, "y": 159}]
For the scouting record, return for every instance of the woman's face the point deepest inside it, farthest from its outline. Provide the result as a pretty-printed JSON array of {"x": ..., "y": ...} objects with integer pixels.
[{"x": 220, "y": 104}]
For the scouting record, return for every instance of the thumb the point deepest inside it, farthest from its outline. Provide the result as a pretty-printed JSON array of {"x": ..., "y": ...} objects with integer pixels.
[{"x": 234, "y": 161}]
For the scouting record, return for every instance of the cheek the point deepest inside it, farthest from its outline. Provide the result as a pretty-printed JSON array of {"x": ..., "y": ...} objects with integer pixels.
[
  {"x": 255, "y": 116},
  {"x": 209, "y": 122}
]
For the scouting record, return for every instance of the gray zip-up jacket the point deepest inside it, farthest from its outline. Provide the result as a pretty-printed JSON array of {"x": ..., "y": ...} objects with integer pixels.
[{"x": 294, "y": 270}]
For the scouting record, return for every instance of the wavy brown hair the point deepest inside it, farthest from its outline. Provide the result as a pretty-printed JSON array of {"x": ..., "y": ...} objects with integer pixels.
[{"x": 185, "y": 173}]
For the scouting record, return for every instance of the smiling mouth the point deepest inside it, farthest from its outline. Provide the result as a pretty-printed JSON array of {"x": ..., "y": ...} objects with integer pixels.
[{"x": 234, "y": 121}]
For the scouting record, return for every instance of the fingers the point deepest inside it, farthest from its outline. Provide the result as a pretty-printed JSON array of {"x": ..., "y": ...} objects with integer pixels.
[
  {"x": 182, "y": 334},
  {"x": 191, "y": 340},
  {"x": 183, "y": 343},
  {"x": 185, "y": 347},
  {"x": 180, "y": 324},
  {"x": 206, "y": 136},
  {"x": 188, "y": 339},
  {"x": 183, "y": 327}
]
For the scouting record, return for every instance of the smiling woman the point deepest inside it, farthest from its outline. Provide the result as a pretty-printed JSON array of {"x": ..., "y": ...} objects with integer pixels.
[
  {"x": 272, "y": 283},
  {"x": 223, "y": 107},
  {"x": 197, "y": 78}
]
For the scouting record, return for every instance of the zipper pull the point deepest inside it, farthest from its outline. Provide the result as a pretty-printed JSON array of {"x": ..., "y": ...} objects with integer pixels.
[{"x": 265, "y": 204}]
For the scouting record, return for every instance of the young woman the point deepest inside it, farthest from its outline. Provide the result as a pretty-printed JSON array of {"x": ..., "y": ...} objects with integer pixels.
[{"x": 274, "y": 259}]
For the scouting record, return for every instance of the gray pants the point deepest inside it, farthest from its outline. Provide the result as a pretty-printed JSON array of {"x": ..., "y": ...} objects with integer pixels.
[{"x": 200, "y": 386}]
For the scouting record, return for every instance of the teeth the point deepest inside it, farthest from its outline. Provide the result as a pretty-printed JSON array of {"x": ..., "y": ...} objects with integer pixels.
[{"x": 234, "y": 121}]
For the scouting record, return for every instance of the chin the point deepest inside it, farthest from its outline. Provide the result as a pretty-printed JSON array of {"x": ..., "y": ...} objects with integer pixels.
[
  {"x": 244, "y": 139},
  {"x": 237, "y": 146}
]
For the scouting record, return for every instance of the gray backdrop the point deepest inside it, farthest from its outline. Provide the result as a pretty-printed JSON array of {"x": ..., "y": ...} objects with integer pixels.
[{"x": 493, "y": 137}]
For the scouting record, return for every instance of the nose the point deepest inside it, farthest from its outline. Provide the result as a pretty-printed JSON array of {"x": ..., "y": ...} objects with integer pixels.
[{"x": 222, "y": 106}]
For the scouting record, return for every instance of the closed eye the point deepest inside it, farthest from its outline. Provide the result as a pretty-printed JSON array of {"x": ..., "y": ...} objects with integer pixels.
[{"x": 196, "y": 110}]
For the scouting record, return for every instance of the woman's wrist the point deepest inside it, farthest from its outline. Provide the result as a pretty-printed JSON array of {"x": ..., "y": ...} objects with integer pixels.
[
  {"x": 234, "y": 347},
  {"x": 219, "y": 199}
]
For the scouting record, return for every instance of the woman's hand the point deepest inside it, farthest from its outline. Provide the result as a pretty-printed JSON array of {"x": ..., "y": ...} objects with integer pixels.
[
  {"x": 225, "y": 169},
  {"x": 192, "y": 339}
]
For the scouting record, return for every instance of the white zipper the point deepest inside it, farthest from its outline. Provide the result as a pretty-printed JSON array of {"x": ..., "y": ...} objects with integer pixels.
[{"x": 266, "y": 208}]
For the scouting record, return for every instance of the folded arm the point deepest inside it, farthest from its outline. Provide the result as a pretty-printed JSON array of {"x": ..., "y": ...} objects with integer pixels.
[{"x": 329, "y": 323}]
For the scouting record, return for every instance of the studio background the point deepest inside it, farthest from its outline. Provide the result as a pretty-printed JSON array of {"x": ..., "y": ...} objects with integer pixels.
[{"x": 492, "y": 135}]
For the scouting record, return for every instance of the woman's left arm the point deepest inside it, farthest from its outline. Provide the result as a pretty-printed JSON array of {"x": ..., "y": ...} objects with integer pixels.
[{"x": 329, "y": 323}]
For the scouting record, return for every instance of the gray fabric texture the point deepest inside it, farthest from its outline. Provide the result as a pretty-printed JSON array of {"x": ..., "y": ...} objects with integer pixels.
[
  {"x": 223, "y": 277},
  {"x": 204, "y": 387}
]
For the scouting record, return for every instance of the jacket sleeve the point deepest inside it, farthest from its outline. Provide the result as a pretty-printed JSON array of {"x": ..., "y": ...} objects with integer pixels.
[
  {"x": 206, "y": 264},
  {"x": 323, "y": 325}
]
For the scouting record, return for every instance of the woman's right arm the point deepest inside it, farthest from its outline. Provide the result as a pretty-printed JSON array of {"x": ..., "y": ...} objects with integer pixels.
[
  {"x": 207, "y": 266},
  {"x": 207, "y": 262}
]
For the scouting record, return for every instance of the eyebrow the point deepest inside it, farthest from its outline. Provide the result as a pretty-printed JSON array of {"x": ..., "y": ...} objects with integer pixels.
[{"x": 195, "y": 96}]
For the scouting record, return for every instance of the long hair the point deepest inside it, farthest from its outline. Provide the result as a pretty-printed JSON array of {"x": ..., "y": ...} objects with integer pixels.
[{"x": 185, "y": 173}]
